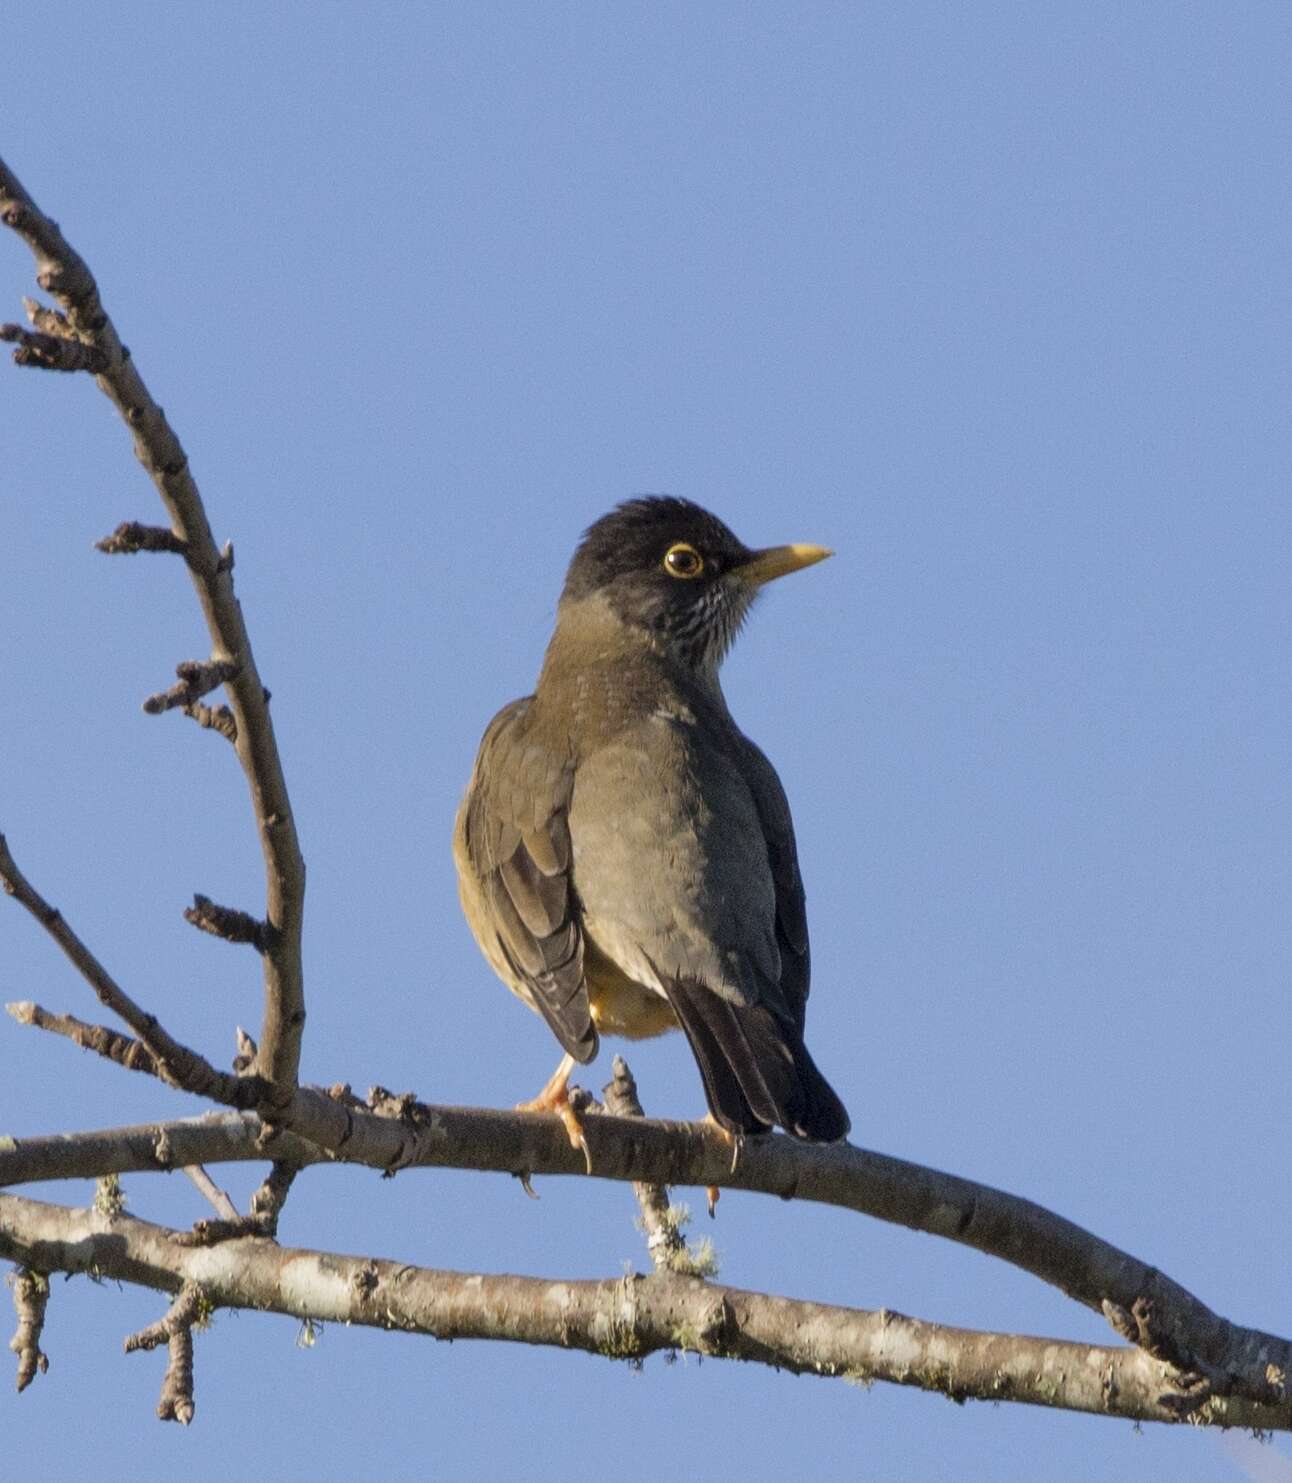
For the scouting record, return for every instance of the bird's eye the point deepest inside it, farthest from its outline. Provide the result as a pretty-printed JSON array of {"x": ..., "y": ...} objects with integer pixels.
[{"x": 683, "y": 560}]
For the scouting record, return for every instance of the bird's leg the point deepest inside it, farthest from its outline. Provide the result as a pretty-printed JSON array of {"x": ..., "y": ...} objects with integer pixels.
[{"x": 555, "y": 1097}]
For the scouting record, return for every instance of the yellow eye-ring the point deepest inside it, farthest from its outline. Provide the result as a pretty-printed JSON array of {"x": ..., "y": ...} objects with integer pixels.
[{"x": 683, "y": 560}]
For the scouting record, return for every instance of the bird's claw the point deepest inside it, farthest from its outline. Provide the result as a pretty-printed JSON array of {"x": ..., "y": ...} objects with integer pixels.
[{"x": 555, "y": 1097}]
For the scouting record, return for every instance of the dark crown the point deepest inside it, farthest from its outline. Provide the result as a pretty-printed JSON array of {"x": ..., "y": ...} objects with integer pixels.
[{"x": 634, "y": 536}]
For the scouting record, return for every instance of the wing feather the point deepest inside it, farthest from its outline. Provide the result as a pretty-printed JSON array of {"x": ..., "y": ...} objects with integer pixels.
[{"x": 514, "y": 856}]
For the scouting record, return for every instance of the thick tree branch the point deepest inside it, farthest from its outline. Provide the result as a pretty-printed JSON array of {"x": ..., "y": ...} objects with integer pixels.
[
  {"x": 406, "y": 1134},
  {"x": 1235, "y": 1360},
  {"x": 62, "y": 272},
  {"x": 624, "y": 1318}
]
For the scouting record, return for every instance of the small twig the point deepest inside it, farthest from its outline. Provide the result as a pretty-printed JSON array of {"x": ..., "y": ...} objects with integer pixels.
[
  {"x": 176, "y": 1063},
  {"x": 245, "y": 1058},
  {"x": 124, "y": 1050},
  {"x": 30, "y": 1297},
  {"x": 223, "y": 1204},
  {"x": 45, "y": 352},
  {"x": 661, "y": 1221},
  {"x": 663, "y": 1239},
  {"x": 214, "y": 718},
  {"x": 227, "y": 922},
  {"x": 42, "y": 317},
  {"x": 268, "y": 1201},
  {"x": 197, "y": 677},
  {"x": 182, "y": 1314},
  {"x": 176, "y": 1400},
  {"x": 131, "y": 536}
]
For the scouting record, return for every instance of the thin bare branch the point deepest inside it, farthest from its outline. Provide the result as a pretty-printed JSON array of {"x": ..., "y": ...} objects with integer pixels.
[
  {"x": 660, "y": 1221},
  {"x": 61, "y": 272},
  {"x": 176, "y": 1063},
  {"x": 625, "y": 1318},
  {"x": 213, "y": 1138},
  {"x": 124, "y": 1050},
  {"x": 224, "y": 1206}
]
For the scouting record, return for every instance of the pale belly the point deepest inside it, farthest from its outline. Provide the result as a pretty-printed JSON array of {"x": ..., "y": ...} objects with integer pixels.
[{"x": 619, "y": 1005}]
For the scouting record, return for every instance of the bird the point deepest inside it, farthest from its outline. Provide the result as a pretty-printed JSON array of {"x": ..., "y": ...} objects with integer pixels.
[{"x": 626, "y": 857}]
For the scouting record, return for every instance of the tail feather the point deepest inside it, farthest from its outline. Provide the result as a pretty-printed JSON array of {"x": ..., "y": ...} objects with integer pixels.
[
  {"x": 756, "y": 1069},
  {"x": 722, "y": 1089}
]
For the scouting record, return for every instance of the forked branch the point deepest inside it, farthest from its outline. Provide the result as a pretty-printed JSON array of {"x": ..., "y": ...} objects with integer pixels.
[{"x": 84, "y": 337}]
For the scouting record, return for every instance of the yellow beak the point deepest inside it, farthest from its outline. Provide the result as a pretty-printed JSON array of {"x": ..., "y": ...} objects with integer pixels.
[{"x": 778, "y": 561}]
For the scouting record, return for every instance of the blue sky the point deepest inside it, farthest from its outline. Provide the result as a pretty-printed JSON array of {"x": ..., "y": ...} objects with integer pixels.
[{"x": 993, "y": 299}]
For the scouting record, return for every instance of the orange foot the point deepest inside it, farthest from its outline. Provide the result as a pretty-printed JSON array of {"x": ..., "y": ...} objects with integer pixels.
[
  {"x": 712, "y": 1192},
  {"x": 555, "y": 1097}
]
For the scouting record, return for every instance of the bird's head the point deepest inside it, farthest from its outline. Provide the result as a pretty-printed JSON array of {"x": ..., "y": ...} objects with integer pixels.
[{"x": 677, "y": 574}]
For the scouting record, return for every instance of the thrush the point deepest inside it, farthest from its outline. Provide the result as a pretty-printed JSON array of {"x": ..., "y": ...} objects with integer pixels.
[{"x": 626, "y": 856}]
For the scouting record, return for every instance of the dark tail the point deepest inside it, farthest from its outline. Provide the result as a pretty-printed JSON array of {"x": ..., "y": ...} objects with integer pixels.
[{"x": 757, "y": 1071}]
